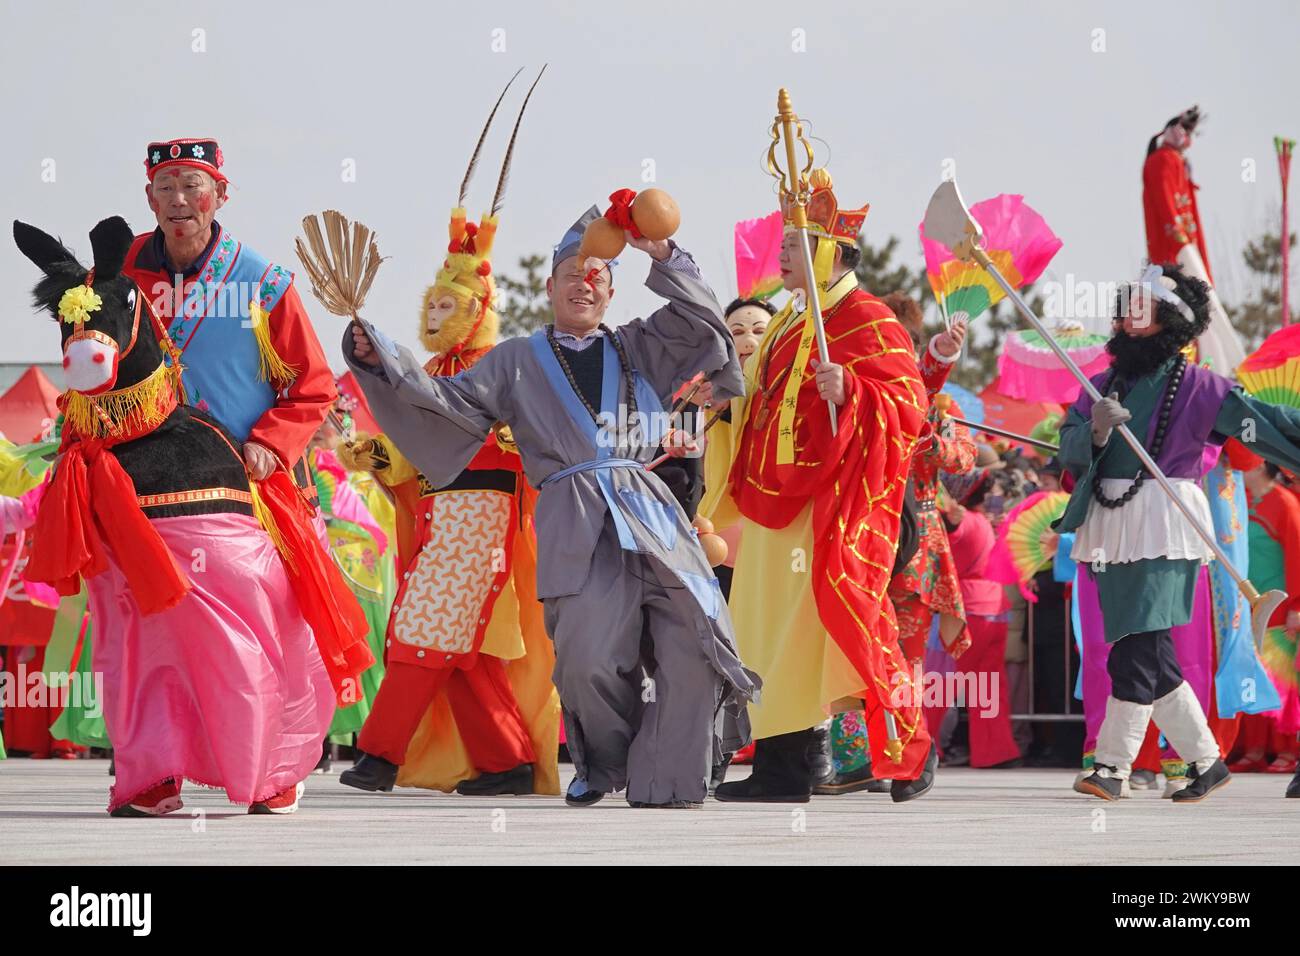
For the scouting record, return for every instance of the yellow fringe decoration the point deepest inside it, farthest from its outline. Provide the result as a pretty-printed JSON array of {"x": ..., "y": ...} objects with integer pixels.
[
  {"x": 263, "y": 516},
  {"x": 134, "y": 408},
  {"x": 272, "y": 368}
]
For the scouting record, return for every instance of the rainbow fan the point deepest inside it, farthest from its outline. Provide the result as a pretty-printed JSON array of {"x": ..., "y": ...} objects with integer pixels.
[
  {"x": 1272, "y": 372},
  {"x": 1029, "y": 369},
  {"x": 758, "y": 257},
  {"x": 1016, "y": 238},
  {"x": 1277, "y": 653},
  {"x": 1019, "y": 553}
]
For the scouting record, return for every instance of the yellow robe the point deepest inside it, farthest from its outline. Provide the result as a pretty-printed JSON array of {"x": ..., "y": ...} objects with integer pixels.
[{"x": 779, "y": 634}]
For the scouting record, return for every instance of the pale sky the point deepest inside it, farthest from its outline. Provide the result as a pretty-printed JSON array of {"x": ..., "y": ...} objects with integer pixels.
[{"x": 1017, "y": 94}]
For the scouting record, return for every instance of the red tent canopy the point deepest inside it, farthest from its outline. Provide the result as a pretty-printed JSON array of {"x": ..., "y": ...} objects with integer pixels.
[
  {"x": 1014, "y": 414},
  {"x": 29, "y": 407}
]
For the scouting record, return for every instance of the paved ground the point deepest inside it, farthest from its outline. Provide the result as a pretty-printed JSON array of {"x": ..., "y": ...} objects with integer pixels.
[{"x": 53, "y": 812}]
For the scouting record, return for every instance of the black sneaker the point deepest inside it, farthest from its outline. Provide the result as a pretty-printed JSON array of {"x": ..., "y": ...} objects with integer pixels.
[
  {"x": 756, "y": 789},
  {"x": 371, "y": 773},
  {"x": 904, "y": 790},
  {"x": 517, "y": 781},
  {"x": 580, "y": 795},
  {"x": 1293, "y": 788},
  {"x": 1202, "y": 784},
  {"x": 1107, "y": 788}
]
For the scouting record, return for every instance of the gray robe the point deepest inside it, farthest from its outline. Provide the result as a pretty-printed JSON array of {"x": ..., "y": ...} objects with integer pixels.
[{"x": 649, "y": 572}]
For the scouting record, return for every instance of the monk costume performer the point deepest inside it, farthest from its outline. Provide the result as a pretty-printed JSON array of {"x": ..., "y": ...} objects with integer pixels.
[
  {"x": 821, "y": 515},
  {"x": 645, "y": 660},
  {"x": 1139, "y": 548}
]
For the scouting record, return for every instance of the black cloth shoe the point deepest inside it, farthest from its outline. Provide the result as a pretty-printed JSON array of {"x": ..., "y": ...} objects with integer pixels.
[
  {"x": 1292, "y": 788},
  {"x": 1202, "y": 784},
  {"x": 782, "y": 772},
  {"x": 820, "y": 763},
  {"x": 323, "y": 765},
  {"x": 1095, "y": 785},
  {"x": 756, "y": 789},
  {"x": 669, "y": 805},
  {"x": 516, "y": 781},
  {"x": 903, "y": 790},
  {"x": 371, "y": 773},
  {"x": 580, "y": 795},
  {"x": 852, "y": 782}
]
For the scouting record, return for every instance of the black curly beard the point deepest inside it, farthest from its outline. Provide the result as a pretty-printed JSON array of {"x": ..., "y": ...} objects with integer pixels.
[{"x": 1136, "y": 358}]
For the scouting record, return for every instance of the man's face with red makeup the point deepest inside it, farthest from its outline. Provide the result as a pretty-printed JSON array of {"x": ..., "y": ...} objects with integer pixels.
[{"x": 185, "y": 200}]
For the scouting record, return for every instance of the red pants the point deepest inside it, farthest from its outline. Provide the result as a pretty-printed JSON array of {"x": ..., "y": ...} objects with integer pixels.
[
  {"x": 28, "y": 728},
  {"x": 482, "y": 702}
]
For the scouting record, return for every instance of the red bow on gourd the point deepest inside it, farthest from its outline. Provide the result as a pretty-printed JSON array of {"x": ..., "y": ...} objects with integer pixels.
[{"x": 620, "y": 211}]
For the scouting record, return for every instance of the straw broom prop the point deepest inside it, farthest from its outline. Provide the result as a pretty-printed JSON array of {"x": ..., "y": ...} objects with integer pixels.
[
  {"x": 947, "y": 220},
  {"x": 341, "y": 261}
]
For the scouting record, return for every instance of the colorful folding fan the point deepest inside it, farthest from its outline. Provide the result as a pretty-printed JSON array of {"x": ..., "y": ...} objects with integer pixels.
[
  {"x": 1277, "y": 652},
  {"x": 758, "y": 252},
  {"x": 1019, "y": 553},
  {"x": 1272, "y": 372},
  {"x": 1016, "y": 238}
]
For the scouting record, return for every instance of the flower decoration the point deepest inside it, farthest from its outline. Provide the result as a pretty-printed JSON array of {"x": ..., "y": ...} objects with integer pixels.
[{"x": 77, "y": 304}]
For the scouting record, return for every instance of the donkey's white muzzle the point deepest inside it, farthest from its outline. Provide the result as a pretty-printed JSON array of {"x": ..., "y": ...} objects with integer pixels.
[{"x": 89, "y": 365}]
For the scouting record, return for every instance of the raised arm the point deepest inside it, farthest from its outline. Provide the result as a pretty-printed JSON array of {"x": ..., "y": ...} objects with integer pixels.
[
  {"x": 685, "y": 336},
  {"x": 438, "y": 423}
]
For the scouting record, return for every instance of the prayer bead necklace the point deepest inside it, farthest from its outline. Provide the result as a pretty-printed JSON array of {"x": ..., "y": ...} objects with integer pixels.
[
  {"x": 1157, "y": 442},
  {"x": 629, "y": 386}
]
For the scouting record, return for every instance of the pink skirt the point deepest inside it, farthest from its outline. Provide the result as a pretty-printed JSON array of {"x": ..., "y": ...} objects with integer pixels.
[{"x": 227, "y": 689}]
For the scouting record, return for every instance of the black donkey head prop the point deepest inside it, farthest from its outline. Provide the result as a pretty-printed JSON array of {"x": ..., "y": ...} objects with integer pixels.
[{"x": 123, "y": 378}]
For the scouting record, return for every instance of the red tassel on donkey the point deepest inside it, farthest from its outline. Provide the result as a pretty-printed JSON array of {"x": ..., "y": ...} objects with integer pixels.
[{"x": 217, "y": 653}]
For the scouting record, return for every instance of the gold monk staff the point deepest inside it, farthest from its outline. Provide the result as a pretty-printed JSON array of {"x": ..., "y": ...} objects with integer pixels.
[{"x": 796, "y": 190}]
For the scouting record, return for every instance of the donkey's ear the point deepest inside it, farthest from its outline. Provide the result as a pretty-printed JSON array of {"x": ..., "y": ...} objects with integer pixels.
[
  {"x": 43, "y": 249},
  {"x": 110, "y": 240}
]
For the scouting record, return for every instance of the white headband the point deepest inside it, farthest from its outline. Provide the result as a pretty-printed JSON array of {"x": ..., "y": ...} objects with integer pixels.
[{"x": 1156, "y": 284}]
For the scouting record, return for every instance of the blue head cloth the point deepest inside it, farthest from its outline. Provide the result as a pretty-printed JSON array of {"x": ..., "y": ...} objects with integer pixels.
[{"x": 573, "y": 239}]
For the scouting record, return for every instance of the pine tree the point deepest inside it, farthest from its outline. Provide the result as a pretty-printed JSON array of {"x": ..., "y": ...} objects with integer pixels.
[
  {"x": 1261, "y": 313},
  {"x": 525, "y": 306}
]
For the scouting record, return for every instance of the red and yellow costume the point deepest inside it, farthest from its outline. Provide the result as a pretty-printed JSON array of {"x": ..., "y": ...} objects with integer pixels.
[
  {"x": 929, "y": 584},
  {"x": 1169, "y": 207},
  {"x": 821, "y": 512},
  {"x": 467, "y": 690}
]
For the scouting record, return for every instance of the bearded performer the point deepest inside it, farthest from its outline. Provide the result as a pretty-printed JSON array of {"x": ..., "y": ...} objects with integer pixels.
[
  {"x": 626, "y": 588},
  {"x": 928, "y": 585},
  {"x": 1140, "y": 551},
  {"x": 821, "y": 519},
  {"x": 1175, "y": 235},
  {"x": 250, "y": 355},
  {"x": 465, "y": 632}
]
